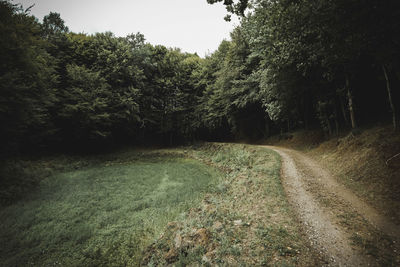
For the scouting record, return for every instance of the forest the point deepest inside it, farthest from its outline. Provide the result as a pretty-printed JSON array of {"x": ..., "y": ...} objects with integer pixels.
[
  {"x": 289, "y": 65},
  {"x": 118, "y": 152}
]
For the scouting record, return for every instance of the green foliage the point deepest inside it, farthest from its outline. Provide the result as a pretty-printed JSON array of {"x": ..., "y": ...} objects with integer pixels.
[
  {"x": 86, "y": 107},
  {"x": 236, "y": 7},
  {"x": 283, "y": 60},
  {"x": 27, "y": 78},
  {"x": 293, "y": 55},
  {"x": 77, "y": 88},
  {"x": 53, "y": 26},
  {"x": 232, "y": 93}
]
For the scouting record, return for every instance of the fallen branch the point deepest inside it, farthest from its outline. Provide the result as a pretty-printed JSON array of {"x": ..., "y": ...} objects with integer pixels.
[{"x": 387, "y": 162}]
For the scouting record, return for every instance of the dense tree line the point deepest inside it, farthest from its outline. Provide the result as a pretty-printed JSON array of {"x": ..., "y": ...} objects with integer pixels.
[
  {"x": 60, "y": 88},
  {"x": 289, "y": 64},
  {"x": 329, "y": 63}
]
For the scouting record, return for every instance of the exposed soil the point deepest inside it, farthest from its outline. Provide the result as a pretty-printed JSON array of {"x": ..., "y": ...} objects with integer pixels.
[{"x": 344, "y": 227}]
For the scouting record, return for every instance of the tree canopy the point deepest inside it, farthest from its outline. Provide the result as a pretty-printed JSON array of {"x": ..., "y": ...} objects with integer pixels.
[{"x": 289, "y": 64}]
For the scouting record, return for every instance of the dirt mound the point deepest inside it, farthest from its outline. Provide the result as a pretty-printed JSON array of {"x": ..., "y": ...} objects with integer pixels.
[
  {"x": 368, "y": 162},
  {"x": 298, "y": 140},
  {"x": 175, "y": 242}
]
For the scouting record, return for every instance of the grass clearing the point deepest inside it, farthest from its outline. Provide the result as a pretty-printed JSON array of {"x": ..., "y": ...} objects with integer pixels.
[{"x": 103, "y": 214}]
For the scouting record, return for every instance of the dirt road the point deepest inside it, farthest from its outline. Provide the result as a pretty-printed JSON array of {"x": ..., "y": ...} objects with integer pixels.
[{"x": 343, "y": 227}]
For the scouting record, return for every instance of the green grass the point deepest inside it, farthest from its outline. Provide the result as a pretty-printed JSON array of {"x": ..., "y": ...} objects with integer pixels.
[
  {"x": 102, "y": 215},
  {"x": 247, "y": 216}
]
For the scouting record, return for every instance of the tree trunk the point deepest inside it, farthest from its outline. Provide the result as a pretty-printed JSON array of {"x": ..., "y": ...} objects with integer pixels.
[
  {"x": 267, "y": 131},
  {"x": 346, "y": 120},
  {"x": 305, "y": 109},
  {"x": 351, "y": 107},
  {"x": 328, "y": 124},
  {"x": 306, "y": 120},
  {"x": 394, "y": 120},
  {"x": 336, "y": 120}
]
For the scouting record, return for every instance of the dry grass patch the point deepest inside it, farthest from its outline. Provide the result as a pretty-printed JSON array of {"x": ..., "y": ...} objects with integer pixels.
[{"x": 360, "y": 163}]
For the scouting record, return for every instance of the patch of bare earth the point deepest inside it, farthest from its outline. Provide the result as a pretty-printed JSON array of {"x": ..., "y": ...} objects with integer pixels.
[{"x": 342, "y": 225}]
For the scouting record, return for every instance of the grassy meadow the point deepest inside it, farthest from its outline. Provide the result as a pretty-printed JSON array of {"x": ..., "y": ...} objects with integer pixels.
[
  {"x": 212, "y": 204},
  {"x": 102, "y": 213}
]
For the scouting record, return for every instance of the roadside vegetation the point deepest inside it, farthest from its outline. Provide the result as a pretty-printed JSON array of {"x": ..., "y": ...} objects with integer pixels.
[{"x": 245, "y": 221}]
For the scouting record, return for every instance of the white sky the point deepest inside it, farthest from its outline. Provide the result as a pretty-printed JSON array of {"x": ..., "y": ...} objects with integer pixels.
[{"x": 192, "y": 25}]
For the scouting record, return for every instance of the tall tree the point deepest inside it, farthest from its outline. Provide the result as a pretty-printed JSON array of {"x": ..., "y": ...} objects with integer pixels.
[
  {"x": 53, "y": 25},
  {"x": 27, "y": 78}
]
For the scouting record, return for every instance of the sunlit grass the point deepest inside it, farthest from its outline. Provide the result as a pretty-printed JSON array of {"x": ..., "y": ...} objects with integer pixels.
[{"x": 101, "y": 215}]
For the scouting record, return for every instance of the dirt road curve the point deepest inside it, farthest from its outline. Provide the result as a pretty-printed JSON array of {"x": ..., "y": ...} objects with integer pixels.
[{"x": 307, "y": 184}]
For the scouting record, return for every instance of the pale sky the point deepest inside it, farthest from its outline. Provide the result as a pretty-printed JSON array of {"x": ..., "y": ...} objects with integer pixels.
[{"x": 192, "y": 25}]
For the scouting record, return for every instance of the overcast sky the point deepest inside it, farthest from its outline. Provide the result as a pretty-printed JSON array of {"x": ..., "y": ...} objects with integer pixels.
[{"x": 192, "y": 25}]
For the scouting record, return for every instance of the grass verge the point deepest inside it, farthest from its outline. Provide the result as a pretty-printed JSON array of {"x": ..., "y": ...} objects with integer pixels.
[{"x": 246, "y": 220}]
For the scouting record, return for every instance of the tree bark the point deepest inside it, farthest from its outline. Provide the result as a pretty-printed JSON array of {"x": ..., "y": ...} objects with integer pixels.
[
  {"x": 328, "y": 124},
  {"x": 306, "y": 110},
  {"x": 346, "y": 120},
  {"x": 306, "y": 120},
  {"x": 267, "y": 130},
  {"x": 336, "y": 120},
  {"x": 394, "y": 119},
  {"x": 351, "y": 104}
]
